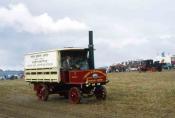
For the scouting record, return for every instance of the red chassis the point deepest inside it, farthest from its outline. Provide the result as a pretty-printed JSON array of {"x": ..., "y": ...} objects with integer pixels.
[{"x": 74, "y": 85}]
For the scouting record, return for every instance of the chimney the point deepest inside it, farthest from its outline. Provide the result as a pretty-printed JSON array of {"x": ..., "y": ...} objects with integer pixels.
[{"x": 91, "y": 51}]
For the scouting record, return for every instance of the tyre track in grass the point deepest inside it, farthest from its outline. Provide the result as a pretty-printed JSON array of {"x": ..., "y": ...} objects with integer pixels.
[{"x": 15, "y": 111}]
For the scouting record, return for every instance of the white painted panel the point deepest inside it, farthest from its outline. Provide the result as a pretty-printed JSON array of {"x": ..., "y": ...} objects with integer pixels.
[{"x": 41, "y": 60}]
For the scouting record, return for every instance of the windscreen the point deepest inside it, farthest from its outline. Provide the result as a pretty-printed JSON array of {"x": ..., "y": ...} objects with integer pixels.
[{"x": 74, "y": 59}]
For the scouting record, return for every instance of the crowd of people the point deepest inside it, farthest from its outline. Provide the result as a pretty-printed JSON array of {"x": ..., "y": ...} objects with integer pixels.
[{"x": 139, "y": 65}]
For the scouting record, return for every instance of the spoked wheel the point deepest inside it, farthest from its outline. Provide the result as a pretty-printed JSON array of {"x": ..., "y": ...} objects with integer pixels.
[
  {"x": 74, "y": 95},
  {"x": 100, "y": 93},
  {"x": 42, "y": 92}
]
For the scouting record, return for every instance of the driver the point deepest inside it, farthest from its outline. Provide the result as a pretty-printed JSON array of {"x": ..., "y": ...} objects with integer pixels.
[{"x": 67, "y": 63}]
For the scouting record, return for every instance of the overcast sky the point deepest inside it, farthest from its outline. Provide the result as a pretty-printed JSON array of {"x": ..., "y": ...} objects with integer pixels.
[{"x": 123, "y": 29}]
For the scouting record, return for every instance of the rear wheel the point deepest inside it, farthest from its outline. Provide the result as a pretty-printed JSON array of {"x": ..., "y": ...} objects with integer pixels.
[
  {"x": 100, "y": 93},
  {"x": 74, "y": 95},
  {"x": 42, "y": 92}
]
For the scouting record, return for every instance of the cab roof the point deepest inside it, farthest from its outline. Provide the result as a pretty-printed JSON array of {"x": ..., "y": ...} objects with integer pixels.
[{"x": 63, "y": 49}]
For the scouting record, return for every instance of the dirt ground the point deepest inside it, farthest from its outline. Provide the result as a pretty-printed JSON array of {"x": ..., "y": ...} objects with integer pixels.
[{"x": 130, "y": 95}]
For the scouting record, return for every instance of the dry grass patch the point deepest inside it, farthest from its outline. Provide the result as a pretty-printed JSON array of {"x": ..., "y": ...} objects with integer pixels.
[{"x": 130, "y": 95}]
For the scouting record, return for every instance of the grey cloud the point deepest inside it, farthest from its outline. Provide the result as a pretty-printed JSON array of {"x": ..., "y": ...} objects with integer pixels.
[
  {"x": 123, "y": 30},
  {"x": 19, "y": 17}
]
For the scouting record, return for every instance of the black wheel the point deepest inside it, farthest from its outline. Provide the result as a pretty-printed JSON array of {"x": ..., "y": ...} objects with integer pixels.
[
  {"x": 74, "y": 95},
  {"x": 100, "y": 93},
  {"x": 43, "y": 92}
]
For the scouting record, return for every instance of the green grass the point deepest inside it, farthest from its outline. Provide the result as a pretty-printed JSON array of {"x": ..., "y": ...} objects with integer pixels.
[{"x": 130, "y": 95}]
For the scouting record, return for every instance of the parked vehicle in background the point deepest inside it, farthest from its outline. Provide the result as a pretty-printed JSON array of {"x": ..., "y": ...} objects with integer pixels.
[
  {"x": 149, "y": 65},
  {"x": 167, "y": 66},
  {"x": 132, "y": 69}
]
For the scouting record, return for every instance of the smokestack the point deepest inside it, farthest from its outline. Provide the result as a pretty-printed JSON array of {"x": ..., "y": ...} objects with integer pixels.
[{"x": 91, "y": 50}]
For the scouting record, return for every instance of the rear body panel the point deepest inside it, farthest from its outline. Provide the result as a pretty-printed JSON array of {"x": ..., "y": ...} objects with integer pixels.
[{"x": 42, "y": 75}]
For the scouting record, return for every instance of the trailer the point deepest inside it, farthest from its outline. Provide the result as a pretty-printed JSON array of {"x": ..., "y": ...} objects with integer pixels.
[{"x": 68, "y": 72}]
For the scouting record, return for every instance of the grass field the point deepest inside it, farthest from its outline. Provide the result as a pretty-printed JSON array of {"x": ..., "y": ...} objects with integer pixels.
[{"x": 130, "y": 95}]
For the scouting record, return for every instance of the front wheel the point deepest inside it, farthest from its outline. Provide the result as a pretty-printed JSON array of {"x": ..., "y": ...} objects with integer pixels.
[
  {"x": 74, "y": 95},
  {"x": 100, "y": 93}
]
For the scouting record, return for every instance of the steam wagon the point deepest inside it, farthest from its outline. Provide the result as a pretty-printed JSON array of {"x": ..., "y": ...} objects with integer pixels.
[
  {"x": 149, "y": 65},
  {"x": 68, "y": 72}
]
